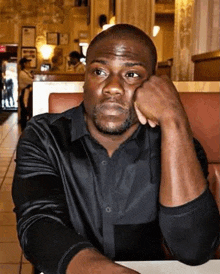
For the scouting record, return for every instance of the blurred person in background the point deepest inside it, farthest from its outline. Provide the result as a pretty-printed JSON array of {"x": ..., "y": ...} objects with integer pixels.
[
  {"x": 25, "y": 80},
  {"x": 74, "y": 63},
  {"x": 56, "y": 62}
]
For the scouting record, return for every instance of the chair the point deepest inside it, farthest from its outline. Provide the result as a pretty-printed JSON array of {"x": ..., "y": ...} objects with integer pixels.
[
  {"x": 202, "y": 109},
  {"x": 59, "y": 102}
]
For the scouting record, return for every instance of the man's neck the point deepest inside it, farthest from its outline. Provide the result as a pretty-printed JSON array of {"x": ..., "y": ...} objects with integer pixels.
[{"x": 110, "y": 142}]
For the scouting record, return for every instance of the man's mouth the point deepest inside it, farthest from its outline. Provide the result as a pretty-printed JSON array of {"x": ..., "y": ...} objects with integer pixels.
[{"x": 111, "y": 108}]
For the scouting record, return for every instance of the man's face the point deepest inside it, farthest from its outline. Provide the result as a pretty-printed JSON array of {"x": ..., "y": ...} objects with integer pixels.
[
  {"x": 74, "y": 61},
  {"x": 27, "y": 65},
  {"x": 115, "y": 69}
]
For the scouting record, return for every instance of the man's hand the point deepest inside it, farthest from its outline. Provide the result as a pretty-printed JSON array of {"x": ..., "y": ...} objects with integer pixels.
[
  {"x": 157, "y": 101},
  {"x": 90, "y": 261}
]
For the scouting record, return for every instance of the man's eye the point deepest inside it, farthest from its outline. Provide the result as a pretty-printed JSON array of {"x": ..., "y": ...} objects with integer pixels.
[
  {"x": 99, "y": 72},
  {"x": 132, "y": 75}
]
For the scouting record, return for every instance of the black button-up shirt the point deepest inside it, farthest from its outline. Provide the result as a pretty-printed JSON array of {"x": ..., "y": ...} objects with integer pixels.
[{"x": 69, "y": 195}]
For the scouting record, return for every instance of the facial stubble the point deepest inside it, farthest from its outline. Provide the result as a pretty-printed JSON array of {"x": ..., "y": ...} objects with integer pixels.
[{"x": 103, "y": 127}]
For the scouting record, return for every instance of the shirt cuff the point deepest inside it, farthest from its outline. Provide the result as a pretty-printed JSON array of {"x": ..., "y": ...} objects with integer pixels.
[
  {"x": 68, "y": 256},
  {"x": 204, "y": 198}
]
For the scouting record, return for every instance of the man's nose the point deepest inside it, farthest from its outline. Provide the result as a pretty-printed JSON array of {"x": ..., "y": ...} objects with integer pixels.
[{"x": 113, "y": 86}]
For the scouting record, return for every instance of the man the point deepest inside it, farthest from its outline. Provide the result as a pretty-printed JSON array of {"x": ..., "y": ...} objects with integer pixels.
[
  {"x": 10, "y": 89},
  {"x": 116, "y": 177},
  {"x": 74, "y": 63},
  {"x": 25, "y": 80},
  {"x": 56, "y": 62}
]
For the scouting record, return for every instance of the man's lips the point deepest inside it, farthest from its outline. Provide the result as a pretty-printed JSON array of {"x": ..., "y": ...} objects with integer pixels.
[{"x": 111, "y": 108}]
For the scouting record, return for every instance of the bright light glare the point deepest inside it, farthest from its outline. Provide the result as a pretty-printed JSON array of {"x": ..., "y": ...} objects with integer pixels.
[
  {"x": 46, "y": 51},
  {"x": 84, "y": 48},
  {"x": 83, "y": 44},
  {"x": 106, "y": 26},
  {"x": 156, "y": 29}
]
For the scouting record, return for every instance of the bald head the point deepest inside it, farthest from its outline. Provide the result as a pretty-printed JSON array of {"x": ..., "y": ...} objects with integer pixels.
[{"x": 125, "y": 31}]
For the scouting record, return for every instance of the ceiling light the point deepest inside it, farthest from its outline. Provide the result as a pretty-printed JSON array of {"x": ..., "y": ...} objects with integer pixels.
[{"x": 156, "y": 30}]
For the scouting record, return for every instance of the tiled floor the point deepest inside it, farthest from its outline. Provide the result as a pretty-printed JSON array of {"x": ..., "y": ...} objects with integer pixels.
[{"x": 11, "y": 258}]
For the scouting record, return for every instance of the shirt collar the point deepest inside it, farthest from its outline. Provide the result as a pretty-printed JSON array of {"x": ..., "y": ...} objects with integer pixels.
[{"x": 78, "y": 124}]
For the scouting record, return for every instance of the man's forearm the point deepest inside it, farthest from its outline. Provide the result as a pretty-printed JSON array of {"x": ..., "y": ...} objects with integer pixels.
[{"x": 182, "y": 179}]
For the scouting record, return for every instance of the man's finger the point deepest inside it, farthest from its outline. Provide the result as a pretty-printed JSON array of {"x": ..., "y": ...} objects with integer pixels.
[
  {"x": 142, "y": 119},
  {"x": 152, "y": 123}
]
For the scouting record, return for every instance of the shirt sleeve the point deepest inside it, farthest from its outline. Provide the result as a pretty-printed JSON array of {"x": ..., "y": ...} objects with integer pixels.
[
  {"x": 191, "y": 231},
  {"x": 46, "y": 235}
]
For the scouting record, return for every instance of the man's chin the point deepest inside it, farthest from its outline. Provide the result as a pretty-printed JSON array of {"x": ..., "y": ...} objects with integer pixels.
[
  {"x": 112, "y": 128},
  {"x": 114, "y": 124}
]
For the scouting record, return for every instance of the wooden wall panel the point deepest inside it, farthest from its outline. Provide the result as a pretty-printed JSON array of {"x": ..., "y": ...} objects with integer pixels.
[{"x": 207, "y": 66}]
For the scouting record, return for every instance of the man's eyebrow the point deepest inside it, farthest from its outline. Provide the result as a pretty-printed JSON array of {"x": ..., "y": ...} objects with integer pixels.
[
  {"x": 130, "y": 64},
  {"x": 127, "y": 64},
  {"x": 99, "y": 61}
]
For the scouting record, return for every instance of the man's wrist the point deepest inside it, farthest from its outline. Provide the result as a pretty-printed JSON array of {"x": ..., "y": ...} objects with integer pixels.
[
  {"x": 90, "y": 260},
  {"x": 175, "y": 123},
  {"x": 83, "y": 258}
]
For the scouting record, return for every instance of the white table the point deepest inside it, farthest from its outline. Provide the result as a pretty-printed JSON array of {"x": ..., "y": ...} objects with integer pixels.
[{"x": 173, "y": 267}]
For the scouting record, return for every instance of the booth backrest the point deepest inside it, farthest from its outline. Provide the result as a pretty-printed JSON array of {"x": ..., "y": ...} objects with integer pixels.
[
  {"x": 59, "y": 102},
  {"x": 203, "y": 112},
  {"x": 202, "y": 109}
]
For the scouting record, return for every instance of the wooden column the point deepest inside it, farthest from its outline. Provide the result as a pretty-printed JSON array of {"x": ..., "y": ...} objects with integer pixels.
[
  {"x": 97, "y": 8},
  {"x": 206, "y": 27},
  {"x": 196, "y": 31},
  {"x": 182, "y": 65},
  {"x": 139, "y": 13}
]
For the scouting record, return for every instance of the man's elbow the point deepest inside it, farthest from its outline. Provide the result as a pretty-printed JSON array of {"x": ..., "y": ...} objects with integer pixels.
[
  {"x": 195, "y": 259},
  {"x": 197, "y": 256}
]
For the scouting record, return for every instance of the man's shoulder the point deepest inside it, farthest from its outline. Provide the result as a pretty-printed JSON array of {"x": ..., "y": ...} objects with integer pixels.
[
  {"x": 48, "y": 122},
  {"x": 21, "y": 73}
]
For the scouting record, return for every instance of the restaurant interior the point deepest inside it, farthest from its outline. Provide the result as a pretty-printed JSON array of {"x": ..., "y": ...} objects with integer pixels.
[{"x": 186, "y": 36}]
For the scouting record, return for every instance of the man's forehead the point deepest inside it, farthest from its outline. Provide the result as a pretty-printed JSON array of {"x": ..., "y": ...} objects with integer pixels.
[
  {"x": 118, "y": 39},
  {"x": 118, "y": 47}
]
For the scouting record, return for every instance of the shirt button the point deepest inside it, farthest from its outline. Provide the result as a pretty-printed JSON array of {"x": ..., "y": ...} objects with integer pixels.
[
  {"x": 104, "y": 163},
  {"x": 108, "y": 209}
]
